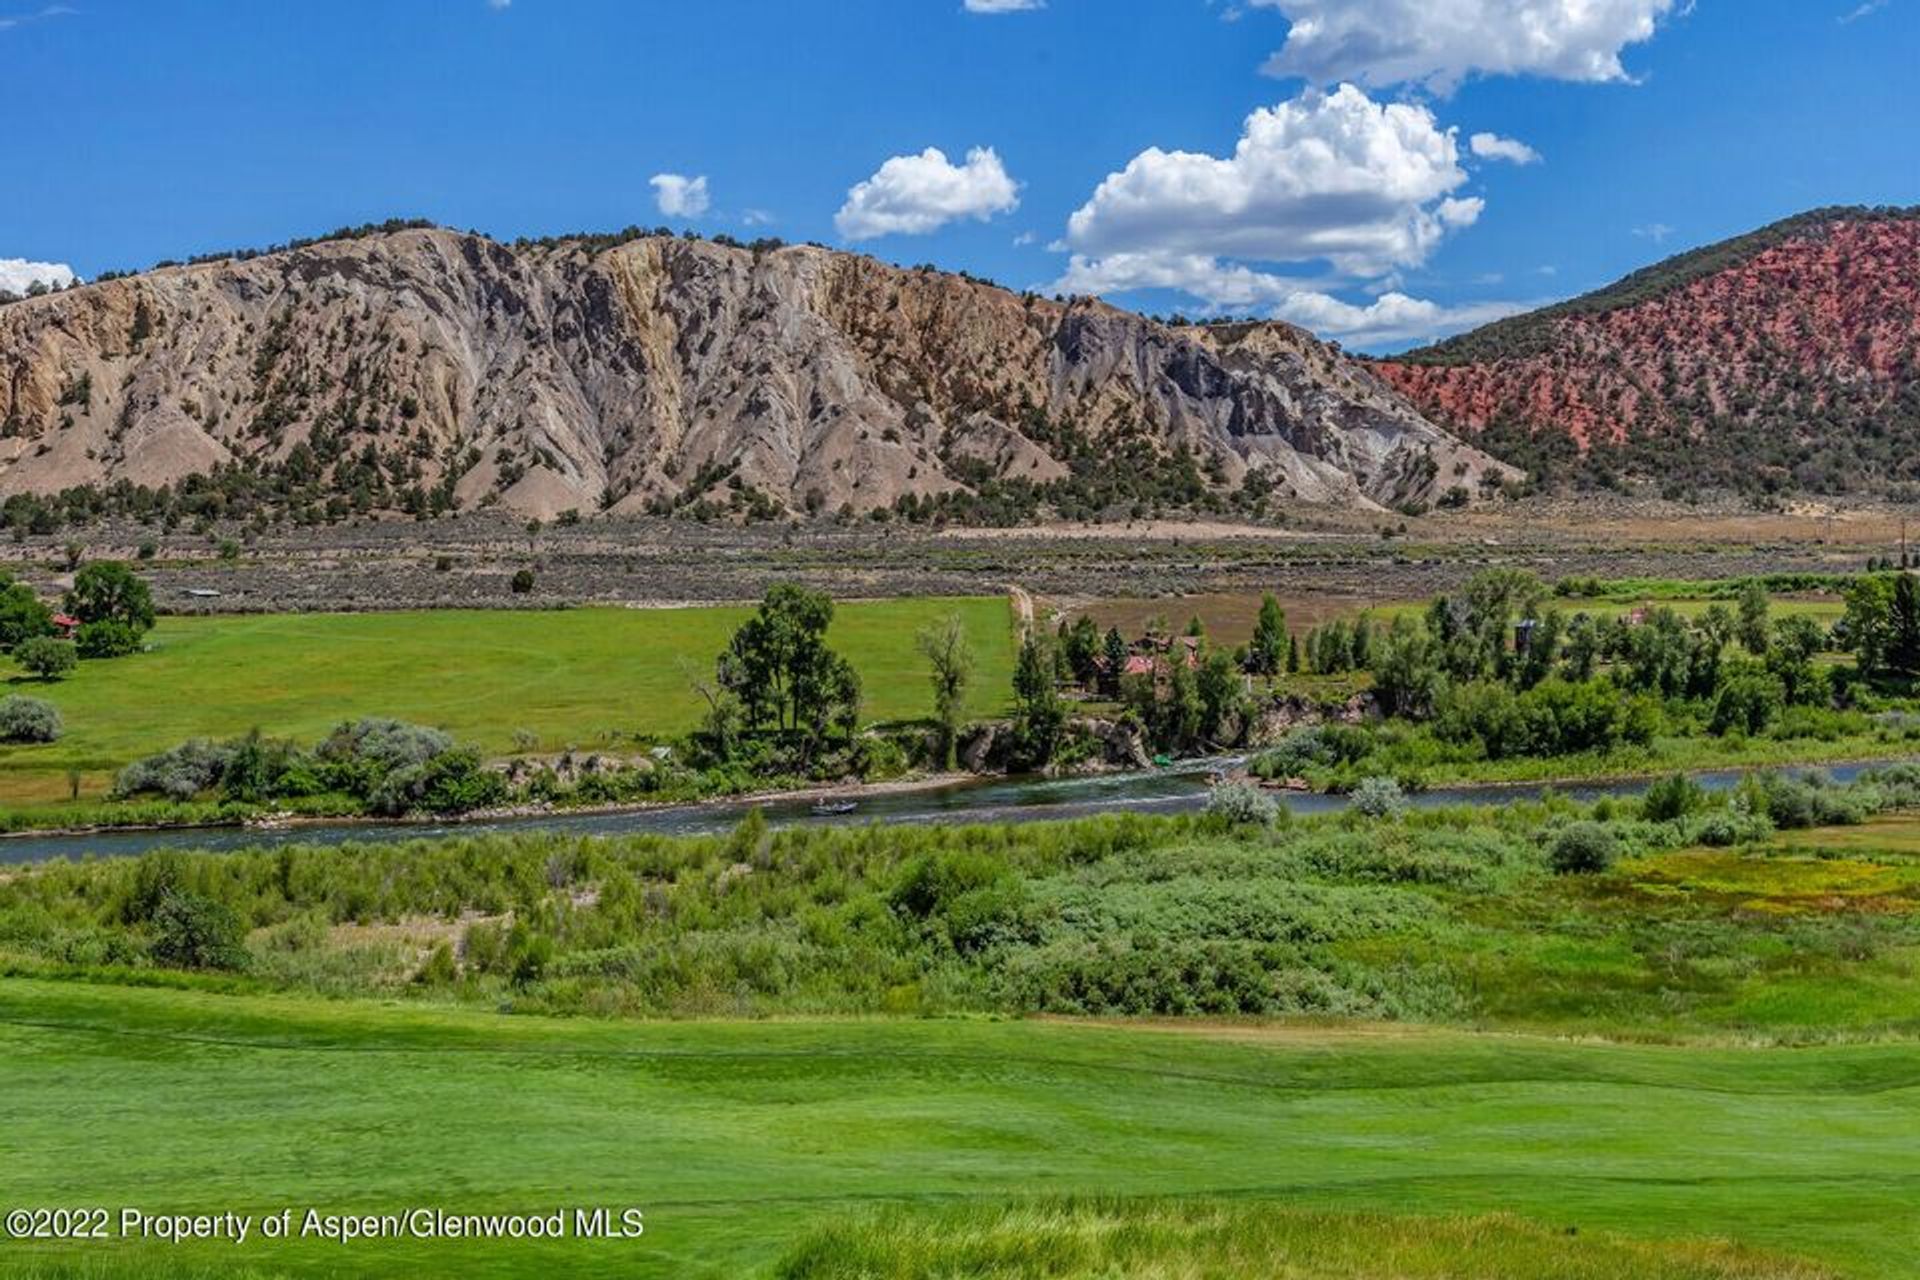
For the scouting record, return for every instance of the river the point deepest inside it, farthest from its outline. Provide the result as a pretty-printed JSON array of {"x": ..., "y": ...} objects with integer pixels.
[{"x": 1182, "y": 788}]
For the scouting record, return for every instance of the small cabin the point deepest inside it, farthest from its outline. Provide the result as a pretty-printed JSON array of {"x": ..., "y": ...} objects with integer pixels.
[{"x": 66, "y": 626}]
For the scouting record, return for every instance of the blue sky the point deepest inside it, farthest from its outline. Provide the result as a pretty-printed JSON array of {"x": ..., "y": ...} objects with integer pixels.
[{"x": 1087, "y": 145}]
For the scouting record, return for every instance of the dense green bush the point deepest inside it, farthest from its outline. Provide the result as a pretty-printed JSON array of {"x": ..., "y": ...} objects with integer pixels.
[
  {"x": 192, "y": 932},
  {"x": 1555, "y": 717},
  {"x": 1584, "y": 848},
  {"x": 1674, "y": 796},
  {"x": 1311, "y": 747},
  {"x": 390, "y": 766},
  {"x": 1747, "y": 702},
  {"x": 1811, "y": 800},
  {"x": 45, "y": 657},
  {"x": 107, "y": 638},
  {"x": 108, "y": 591},
  {"x": 453, "y": 781}
]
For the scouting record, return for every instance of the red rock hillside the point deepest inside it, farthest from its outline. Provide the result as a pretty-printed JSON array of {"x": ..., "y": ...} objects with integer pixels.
[{"x": 1785, "y": 359}]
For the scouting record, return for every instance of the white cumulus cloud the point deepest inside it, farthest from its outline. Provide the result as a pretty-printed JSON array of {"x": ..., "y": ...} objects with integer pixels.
[
  {"x": 1491, "y": 146},
  {"x": 680, "y": 196},
  {"x": 1223, "y": 286},
  {"x": 1439, "y": 43},
  {"x": 17, "y": 273},
  {"x": 1338, "y": 178},
  {"x": 1392, "y": 319},
  {"x": 913, "y": 195},
  {"x": 1342, "y": 193}
]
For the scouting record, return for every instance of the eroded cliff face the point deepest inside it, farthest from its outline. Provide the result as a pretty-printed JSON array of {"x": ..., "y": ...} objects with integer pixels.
[
  {"x": 1816, "y": 334},
  {"x": 445, "y": 369}
]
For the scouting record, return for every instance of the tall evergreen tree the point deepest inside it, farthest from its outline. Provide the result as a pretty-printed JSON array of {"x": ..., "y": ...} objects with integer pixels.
[{"x": 1115, "y": 652}]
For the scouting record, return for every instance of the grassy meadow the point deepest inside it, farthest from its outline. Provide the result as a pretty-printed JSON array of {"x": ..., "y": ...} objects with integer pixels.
[
  {"x": 1336, "y": 1048},
  {"x": 752, "y": 1146},
  {"x": 576, "y": 677}
]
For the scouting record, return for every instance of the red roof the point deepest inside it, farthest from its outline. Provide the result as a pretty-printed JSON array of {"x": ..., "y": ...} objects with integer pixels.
[{"x": 65, "y": 620}]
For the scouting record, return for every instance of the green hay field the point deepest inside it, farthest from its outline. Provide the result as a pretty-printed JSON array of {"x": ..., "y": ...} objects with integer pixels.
[{"x": 572, "y": 677}]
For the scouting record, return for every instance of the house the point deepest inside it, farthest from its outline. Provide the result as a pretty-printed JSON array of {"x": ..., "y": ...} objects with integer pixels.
[
  {"x": 1153, "y": 662},
  {"x": 66, "y": 626}
]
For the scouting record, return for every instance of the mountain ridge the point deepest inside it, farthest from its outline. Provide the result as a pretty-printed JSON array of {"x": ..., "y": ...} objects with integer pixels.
[
  {"x": 426, "y": 370},
  {"x": 1787, "y": 358}
]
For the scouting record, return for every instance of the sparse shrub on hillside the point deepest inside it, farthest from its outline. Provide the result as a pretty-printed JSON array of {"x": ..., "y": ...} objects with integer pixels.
[{"x": 24, "y": 719}]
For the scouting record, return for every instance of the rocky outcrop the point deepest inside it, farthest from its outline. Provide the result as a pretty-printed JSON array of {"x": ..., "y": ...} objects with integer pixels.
[
  {"x": 1109, "y": 744},
  {"x": 430, "y": 370},
  {"x": 1279, "y": 716}
]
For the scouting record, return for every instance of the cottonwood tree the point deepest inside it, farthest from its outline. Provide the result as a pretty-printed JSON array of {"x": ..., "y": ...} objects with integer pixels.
[
  {"x": 22, "y": 613},
  {"x": 950, "y": 661},
  {"x": 108, "y": 591},
  {"x": 1268, "y": 651},
  {"x": 787, "y": 680},
  {"x": 1038, "y": 715},
  {"x": 1868, "y": 623}
]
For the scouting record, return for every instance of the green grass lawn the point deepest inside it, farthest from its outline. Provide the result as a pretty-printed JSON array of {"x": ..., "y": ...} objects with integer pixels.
[
  {"x": 572, "y": 677},
  {"x": 738, "y": 1138}
]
